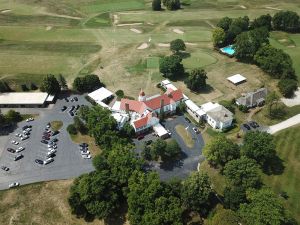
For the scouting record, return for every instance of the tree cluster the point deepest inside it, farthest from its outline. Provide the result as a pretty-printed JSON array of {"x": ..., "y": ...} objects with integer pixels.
[
  {"x": 172, "y": 4},
  {"x": 87, "y": 83},
  {"x": 10, "y": 117},
  {"x": 171, "y": 66},
  {"x": 286, "y": 21},
  {"x": 196, "y": 80},
  {"x": 50, "y": 85}
]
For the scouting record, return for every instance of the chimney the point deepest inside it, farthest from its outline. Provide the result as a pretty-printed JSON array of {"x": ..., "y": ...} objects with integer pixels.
[
  {"x": 127, "y": 107},
  {"x": 162, "y": 105}
]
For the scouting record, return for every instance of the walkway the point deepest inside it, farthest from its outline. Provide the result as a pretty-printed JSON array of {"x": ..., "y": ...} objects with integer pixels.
[{"x": 285, "y": 124}]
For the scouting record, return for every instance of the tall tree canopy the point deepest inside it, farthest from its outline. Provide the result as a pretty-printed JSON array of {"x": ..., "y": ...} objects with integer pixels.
[
  {"x": 50, "y": 85},
  {"x": 287, "y": 87},
  {"x": 156, "y": 5},
  {"x": 196, "y": 80},
  {"x": 275, "y": 62},
  {"x": 259, "y": 146},
  {"x": 264, "y": 208},
  {"x": 242, "y": 172},
  {"x": 219, "y": 37},
  {"x": 220, "y": 151},
  {"x": 286, "y": 21},
  {"x": 262, "y": 21},
  {"x": 172, "y": 4},
  {"x": 177, "y": 45},
  {"x": 62, "y": 82},
  {"x": 196, "y": 192},
  {"x": 87, "y": 83},
  {"x": 224, "y": 217},
  {"x": 171, "y": 66},
  {"x": 224, "y": 23}
]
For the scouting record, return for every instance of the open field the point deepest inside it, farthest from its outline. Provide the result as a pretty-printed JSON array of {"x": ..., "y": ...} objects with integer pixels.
[
  {"x": 185, "y": 135},
  {"x": 288, "y": 149}
]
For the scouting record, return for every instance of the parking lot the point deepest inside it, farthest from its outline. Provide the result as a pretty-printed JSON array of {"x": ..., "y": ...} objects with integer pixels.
[
  {"x": 190, "y": 157},
  {"x": 251, "y": 126},
  {"x": 68, "y": 162}
]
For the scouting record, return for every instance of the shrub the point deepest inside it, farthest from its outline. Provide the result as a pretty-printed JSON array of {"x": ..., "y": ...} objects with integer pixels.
[
  {"x": 72, "y": 129},
  {"x": 120, "y": 93},
  {"x": 287, "y": 87}
]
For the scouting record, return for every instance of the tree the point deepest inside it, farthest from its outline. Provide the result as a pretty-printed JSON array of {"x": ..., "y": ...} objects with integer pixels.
[
  {"x": 158, "y": 147},
  {"x": 72, "y": 129},
  {"x": 248, "y": 43},
  {"x": 79, "y": 84},
  {"x": 287, "y": 87},
  {"x": 219, "y": 37},
  {"x": 62, "y": 82},
  {"x": 275, "y": 62},
  {"x": 87, "y": 83},
  {"x": 262, "y": 21},
  {"x": 225, "y": 217},
  {"x": 228, "y": 105},
  {"x": 286, "y": 21},
  {"x": 94, "y": 194},
  {"x": 232, "y": 32},
  {"x": 220, "y": 151},
  {"x": 2, "y": 119},
  {"x": 259, "y": 146},
  {"x": 33, "y": 86},
  {"x": 264, "y": 208},
  {"x": 50, "y": 85},
  {"x": 13, "y": 117},
  {"x": 234, "y": 196},
  {"x": 196, "y": 80},
  {"x": 243, "y": 172},
  {"x": 127, "y": 130},
  {"x": 24, "y": 87},
  {"x": 171, "y": 151},
  {"x": 172, "y": 4},
  {"x": 241, "y": 22},
  {"x": 224, "y": 23},
  {"x": 196, "y": 192},
  {"x": 171, "y": 67},
  {"x": 177, "y": 45},
  {"x": 156, "y": 5},
  {"x": 79, "y": 125},
  {"x": 271, "y": 100},
  {"x": 120, "y": 93}
]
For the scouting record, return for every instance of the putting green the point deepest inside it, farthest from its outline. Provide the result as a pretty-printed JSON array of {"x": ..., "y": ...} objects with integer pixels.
[
  {"x": 198, "y": 59},
  {"x": 153, "y": 62}
]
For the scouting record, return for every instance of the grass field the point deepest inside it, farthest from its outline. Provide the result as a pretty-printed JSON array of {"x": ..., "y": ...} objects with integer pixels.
[
  {"x": 288, "y": 149},
  {"x": 185, "y": 135},
  {"x": 56, "y": 125}
]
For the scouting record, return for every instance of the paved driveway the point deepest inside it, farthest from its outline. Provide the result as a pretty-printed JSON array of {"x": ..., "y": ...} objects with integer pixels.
[
  {"x": 190, "y": 156},
  {"x": 68, "y": 162},
  {"x": 284, "y": 124}
]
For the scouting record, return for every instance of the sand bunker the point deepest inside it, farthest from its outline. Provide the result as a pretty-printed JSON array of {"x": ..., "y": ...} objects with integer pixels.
[
  {"x": 283, "y": 40},
  {"x": 243, "y": 7},
  {"x": 116, "y": 19},
  {"x": 48, "y": 28},
  {"x": 150, "y": 23},
  {"x": 136, "y": 31},
  {"x": 191, "y": 44},
  {"x": 129, "y": 24},
  {"x": 268, "y": 7},
  {"x": 5, "y": 10},
  {"x": 178, "y": 31},
  {"x": 163, "y": 44},
  {"x": 143, "y": 46}
]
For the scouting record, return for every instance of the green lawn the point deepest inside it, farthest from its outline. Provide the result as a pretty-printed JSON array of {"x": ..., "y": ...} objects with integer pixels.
[
  {"x": 185, "y": 135},
  {"x": 56, "y": 125},
  {"x": 198, "y": 59},
  {"x": 288, "y": 149},
  {"x": 153, "y": 62},
  {"x": 112, "y": 6}
]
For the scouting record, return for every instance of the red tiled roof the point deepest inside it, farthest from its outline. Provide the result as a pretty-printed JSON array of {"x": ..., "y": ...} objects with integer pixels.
[
  {"x": 134, "y": 105},
  {"x": 171, "y": 97},
  {"x": 143, "y": 121}
]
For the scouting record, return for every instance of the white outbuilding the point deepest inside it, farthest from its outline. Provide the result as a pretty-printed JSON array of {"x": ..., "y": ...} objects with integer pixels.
[
  {"x": 100, "y": 95},
  {"x": 237, "y": 79}
]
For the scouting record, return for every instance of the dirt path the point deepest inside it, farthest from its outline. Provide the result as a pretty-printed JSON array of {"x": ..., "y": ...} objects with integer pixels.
[
  {"x": 285, "y": 124},
  {"x": 253, "y": 112},
  {"x": 210, "y": 24}
]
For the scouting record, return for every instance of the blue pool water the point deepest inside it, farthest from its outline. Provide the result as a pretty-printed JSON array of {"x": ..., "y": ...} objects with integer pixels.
[{"x": 228, "y": 50}]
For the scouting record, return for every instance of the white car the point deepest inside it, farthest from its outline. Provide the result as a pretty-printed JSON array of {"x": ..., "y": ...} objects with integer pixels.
[
  {"x": 24, "y": 137},
  {"x": 52, "y": 146},
  {"x": 14, "y": 142},
  {"x": 49, "y": 160},
  {"x": 169, "y": 132},
  {"x": 51, "y": 151},
  {"x": 20, "y": 149},
  {"x": 29, "y": 119},
  {"x": 84, "y": 152},
  {"x": 18, "y": 135},
  {"x": 15, "y": 184},
  {"x": 86, "y": 156}
]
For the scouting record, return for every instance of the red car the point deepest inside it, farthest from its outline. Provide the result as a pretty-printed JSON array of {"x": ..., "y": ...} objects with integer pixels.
[{"x": 140, "y": 137}]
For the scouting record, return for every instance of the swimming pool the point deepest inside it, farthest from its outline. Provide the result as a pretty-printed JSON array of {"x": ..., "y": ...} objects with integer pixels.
[{"x": 228, "y": 50}]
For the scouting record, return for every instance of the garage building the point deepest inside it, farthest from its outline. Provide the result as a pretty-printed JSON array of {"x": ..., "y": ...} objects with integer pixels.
[{"x": 23, "y": 99}]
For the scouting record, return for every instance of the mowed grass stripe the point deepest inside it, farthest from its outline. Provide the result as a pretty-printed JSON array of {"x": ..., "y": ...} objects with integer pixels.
[
  {"x": 113, "y": 6},
  {"x": 288, "y": 149}
]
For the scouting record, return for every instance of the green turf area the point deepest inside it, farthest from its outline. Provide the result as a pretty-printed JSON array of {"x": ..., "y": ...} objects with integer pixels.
[
  {"x": 288, "y": 149},
  {"x": 153, "y": 62},
  {"x": 99, "y": 21},
  {"x": 112, "y": 6},
  {"x": 199, "y": 59}
]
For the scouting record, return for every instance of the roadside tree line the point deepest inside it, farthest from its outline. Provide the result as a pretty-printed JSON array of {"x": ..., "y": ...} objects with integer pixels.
[{"x": 251, "y": 44}]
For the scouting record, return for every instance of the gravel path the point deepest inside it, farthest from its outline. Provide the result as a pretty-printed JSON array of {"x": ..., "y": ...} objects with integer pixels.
[
  {"x": 292, "y": 101},
  {"x": 285, "y": 124}
]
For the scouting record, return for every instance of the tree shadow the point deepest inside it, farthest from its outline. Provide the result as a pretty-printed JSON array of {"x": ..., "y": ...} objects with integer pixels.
[
  {"x": 274, "y": 166},
  {"x": 170, "y": 164},
  {"x": 118, "y": 217},
  {"x": 8, "y": 129}
]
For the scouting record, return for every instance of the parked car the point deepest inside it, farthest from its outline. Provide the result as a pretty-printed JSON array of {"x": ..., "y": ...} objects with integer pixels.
[
  {"x": 51, "y": 151},
  {"x": 14, "y": 142},
  {"x": 44, "y": 141},
  {"x": 66, "y": 99},
  {"x": 83, "y": 145},
  {"x": 39, "y": 161},
  {"x": 253, "y": 124},
  {"x": 45, "y": 138},
  {"x": 17, "y": 157},
  {"x": 85, "y": 152},
  {"x": 55, "y": 140},
  {"x": 24, "y": 137},
  {"x": 63, "y": 108},
  {"x": 75, "y": 98},
  {"x": 20, "y": 149},
  {"x": 140, "y": 137},
  {"x": 51, "y": 155},
  {"x": 196, "y": 130},
  {"x": 47, "y": 161},
  {"x": 247, "y": 126},
  {"x": 4, "y": 168},
  {"x": 29, "y": 119},
  {"x": 187, "y": 120},
  {"x": 169, "y": 132},
  {"x": 11, "y": 150},
  {"x": 18, "y": 135},
  {"x": 55, "y": 132},
  {"x": 15, "y": 184},
  {"x": 71, "y": 114},
  {"x": 86, "y": 156}
]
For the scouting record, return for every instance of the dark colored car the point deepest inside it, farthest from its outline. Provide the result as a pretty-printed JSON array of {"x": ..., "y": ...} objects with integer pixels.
[
  {"x": 76, "y": 99},
  {"x": 187, "y": 120},
  {"x": 148, "y": 142},
  {"x": 5, "y": 168},
  {"x": 26, "y": 126},
  {"x": 55, "y": 140},
  {"x": 55, "y": 133},
  {"x": 63, "y": 108},
  {"x": 140, "y": 137},
  {"x": 72, "y": 107},
  {"x": 77, "y": 107},
  {"x": 44, "y": 141},
  {"x": 83, "y": 145},
  {"x": 253, "y": 124},
  {"x": 51, "y": 155},
  {"x": 38, "y": 161},
  {"x": 247, "y": 126},
  {"x": 11, "y": 150},
  {"x": 17, "y": 157},
  {"x": 71, "y": 114},
  {"x": 46, "y": 138},
  {"x": 66, "y": 99}
]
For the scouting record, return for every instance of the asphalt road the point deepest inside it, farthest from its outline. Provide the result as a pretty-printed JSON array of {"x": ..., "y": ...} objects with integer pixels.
[
  {"x": 190, "y": 158},
  {"x": 68, "y": 162}
]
